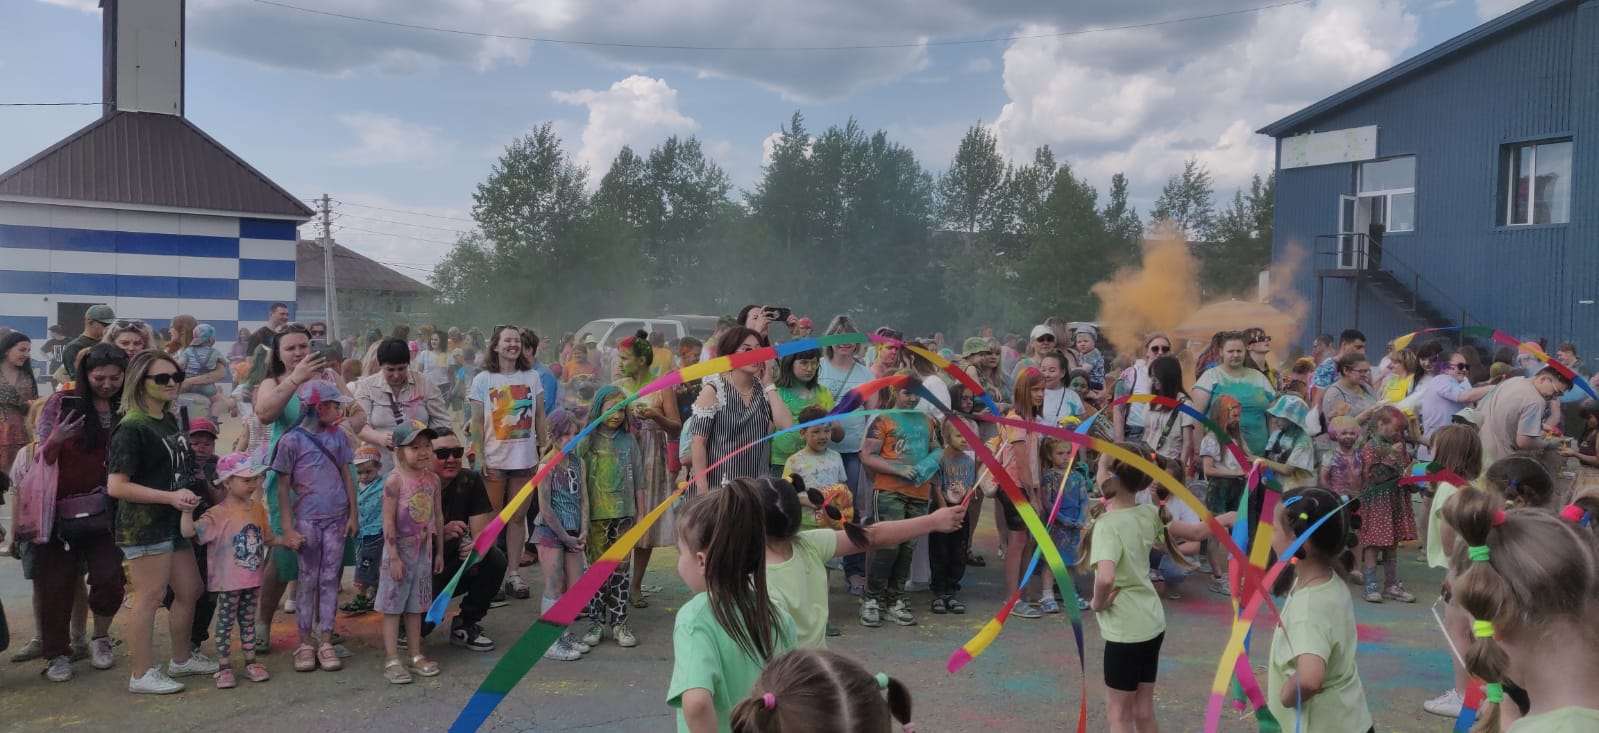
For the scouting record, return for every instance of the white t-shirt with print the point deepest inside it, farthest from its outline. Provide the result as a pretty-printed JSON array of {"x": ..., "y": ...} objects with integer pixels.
[{"x": 508, "y": 401}]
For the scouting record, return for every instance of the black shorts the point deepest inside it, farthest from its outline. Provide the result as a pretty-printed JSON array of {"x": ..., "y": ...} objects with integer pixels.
[
  {"x": 1129, "y": 665},
  {"x": 1013, "y": 518}
]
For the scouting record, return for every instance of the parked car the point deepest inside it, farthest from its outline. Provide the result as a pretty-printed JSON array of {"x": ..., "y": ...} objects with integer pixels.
[{"x": 607, "y": 331}]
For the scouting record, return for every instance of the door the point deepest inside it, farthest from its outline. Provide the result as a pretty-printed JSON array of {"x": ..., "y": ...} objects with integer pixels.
[
  {"x": 1356, "y": 214},
  {"x": 70, "y": 316}
]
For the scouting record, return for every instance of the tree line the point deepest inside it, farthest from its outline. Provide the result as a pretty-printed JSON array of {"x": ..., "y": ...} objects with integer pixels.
[{"x": 841, "y": 221}]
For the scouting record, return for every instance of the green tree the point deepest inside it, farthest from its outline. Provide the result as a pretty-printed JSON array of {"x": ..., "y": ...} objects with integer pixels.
[
  {"x": 1068, "y": 252},
  {"x": 1186, "y": 202},
  {"x": 1122, "y": 227},
  {"x": 689, "y": 191},
  {"x": 1241, "y": 245},
  {"x": 972, "y": 194}
]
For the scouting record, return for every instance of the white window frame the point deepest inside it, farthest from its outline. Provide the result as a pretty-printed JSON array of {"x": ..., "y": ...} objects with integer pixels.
[
  {"x": 1388, "y": 194},
  {"x": 1507, "y": 178}
]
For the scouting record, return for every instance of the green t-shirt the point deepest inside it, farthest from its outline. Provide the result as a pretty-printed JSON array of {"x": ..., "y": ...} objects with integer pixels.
[
  {"x": 152, "y": 453},
  {"x": 1436, "y": 556},
  {"x": 1319, "y": 620},
  {"x": 705, "y": 657},
  {"x": 798, "y": 585},
  {"x": 791, "y": 442},
  {"x": 1253, "y": 392},
  {"x": 1125, "y": 536},
  {"x": 1564, "y": 720}
]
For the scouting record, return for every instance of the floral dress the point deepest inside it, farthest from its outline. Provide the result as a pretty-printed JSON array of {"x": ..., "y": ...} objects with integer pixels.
[
  {"x": 15, "y": 396},
  {"x": 657, "y": 479},
  {"x": 1385, "y": 513}
]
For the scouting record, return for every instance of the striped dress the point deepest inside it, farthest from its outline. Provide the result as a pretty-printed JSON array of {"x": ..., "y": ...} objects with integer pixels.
[{"x": 731, "y": 425}]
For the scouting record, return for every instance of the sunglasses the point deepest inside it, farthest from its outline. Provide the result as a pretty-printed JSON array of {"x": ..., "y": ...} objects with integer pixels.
[
  {"x": 1460, "y": 366},
  {"x": 1261, "y": 340},
  {"x": 319, "y": 332},
  {"x": 445, "y": 454},
  {"x": 126, "y": 323},
  {"x": 1045, "y": 338},
  {"x": 166, "y": 379},
  {"x": 1160, "y": 349},
  {"x": 292, "y": 327}
]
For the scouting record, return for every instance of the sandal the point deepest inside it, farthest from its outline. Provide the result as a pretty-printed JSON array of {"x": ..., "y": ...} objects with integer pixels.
[
  {"x": 424, "y": 666},
  {"x": 357, "y": 606},
  {"x": 954, "y": 605},
  {"x": 304, "y": 658},
  {"x": 395, "y": 673},
  {"x": 328, "y": 658},
  {"x": 639, "y": 601},
  {"x": 256, "y": 672}
]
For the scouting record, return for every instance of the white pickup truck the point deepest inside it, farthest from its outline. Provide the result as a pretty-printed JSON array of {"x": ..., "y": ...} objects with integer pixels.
[{"x": 606, "y": 331}]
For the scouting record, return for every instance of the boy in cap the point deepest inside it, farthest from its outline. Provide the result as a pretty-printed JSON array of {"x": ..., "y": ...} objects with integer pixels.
[
  {"x": 369, "y": 503},
  {"x": 314, "y": 459}
]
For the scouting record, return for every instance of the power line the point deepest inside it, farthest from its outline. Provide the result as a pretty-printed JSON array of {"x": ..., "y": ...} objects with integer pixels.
[
  {"x": 401, "y": 236},
  {"x": 852, "y": 47},
  {"x": 457, "y": 230},
  {"x": 405, "y": 211},
  {"x": 51, "y": 104}
]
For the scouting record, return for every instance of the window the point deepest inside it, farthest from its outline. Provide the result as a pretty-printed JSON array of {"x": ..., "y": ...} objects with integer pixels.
[
  {"x": 1393, "y": 183},
  {"x": 1537, "y": 180}
]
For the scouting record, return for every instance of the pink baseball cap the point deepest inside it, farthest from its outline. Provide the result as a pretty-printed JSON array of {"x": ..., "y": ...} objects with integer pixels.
[
  {"x": 203, "y": 425},
  {"x": 238, "y": 464},
  {"x": 317, "y": 391}
]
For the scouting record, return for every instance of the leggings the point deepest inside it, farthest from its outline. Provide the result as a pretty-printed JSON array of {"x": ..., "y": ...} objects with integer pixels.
[
  {"x": 321, "y": 563},
  {"x": 610, "y": 605},
  {"x": 236, "y": 606}
]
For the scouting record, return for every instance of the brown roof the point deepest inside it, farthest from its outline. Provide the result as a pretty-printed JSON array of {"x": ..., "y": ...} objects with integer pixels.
[
  {"x": 351, "y": 271},
  {"x": 149, "y": 159}
]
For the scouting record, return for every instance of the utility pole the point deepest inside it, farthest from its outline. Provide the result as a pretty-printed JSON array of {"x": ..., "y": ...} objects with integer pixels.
[{"x": 329, "y": 296}]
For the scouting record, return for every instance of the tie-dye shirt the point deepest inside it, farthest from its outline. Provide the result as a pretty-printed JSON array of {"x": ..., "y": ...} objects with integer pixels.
[
  {"x": 415, "y": 495},
  {"x": 615, "y": 473},
  {"x": 508, "y": 402}
]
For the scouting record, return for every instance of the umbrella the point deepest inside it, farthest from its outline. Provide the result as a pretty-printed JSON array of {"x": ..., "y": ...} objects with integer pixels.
[{"x": 1235, "y": 315}]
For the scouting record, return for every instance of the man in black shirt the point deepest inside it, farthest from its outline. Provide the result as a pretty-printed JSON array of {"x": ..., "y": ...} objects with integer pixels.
[
  {"x": 467, "y": 512},
  {"x": 95, "y": 321},
  {"x": 277, "y": 315}
]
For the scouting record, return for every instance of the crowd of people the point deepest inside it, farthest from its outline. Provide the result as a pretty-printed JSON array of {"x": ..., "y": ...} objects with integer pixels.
[{"x": 390, "y": 454}]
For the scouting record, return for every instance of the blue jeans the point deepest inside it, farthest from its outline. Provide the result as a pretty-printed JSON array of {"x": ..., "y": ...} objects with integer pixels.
[
  {"x": 892, "y": 565},
  {"x": 855, "y": 565},
  {"x": 1174, "y": 574}
]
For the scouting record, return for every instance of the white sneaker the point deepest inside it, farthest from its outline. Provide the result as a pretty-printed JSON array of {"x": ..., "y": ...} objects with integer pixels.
[
  {"x": 154, "y": 683},
  {"x": 560, "y": 651},
  {"x": 197, "y": 663},
  {"x": 100, "y": 653},
  {"x": 900, "y": 613},
  {"x": 595, "y": 632},
  {"x": 288, "y": 606},
  {"x": 1447, "y": 704},
  {"x": 60, "y": 669}
]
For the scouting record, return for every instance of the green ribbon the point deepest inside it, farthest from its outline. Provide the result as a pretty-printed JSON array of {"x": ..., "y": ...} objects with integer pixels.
[{"x": 1477, "y": 553}]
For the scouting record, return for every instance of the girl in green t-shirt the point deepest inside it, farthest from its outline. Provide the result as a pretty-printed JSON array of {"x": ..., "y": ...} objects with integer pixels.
[
  {"x": 1116, "y": 546},
  {"x": 1312, "y": 676}
]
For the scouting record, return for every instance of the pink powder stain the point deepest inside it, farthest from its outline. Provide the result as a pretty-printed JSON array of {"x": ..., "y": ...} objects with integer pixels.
[{"x": 1370, "y": 634}]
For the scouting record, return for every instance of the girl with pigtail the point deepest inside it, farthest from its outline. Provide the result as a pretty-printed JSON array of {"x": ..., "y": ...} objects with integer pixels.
[
  {"x": 1116, "y": 547},
  {"x": 1312, "y": 676},
  {"x": 816, "y": 690},
  {"x": 728, "y": 631},
  {"x": 1530, "y": 581},
  {"x": 796, "y": 562},
  {"x": 1455, "y": 448}
]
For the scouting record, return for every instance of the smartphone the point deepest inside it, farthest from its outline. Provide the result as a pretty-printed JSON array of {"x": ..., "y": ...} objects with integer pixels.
[
  {"x": 778, "y": 313},
  {"x": 71, "y": 403}
]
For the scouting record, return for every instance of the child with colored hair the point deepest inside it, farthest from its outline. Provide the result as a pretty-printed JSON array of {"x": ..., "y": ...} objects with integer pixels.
[
  {"x": 413, "y": 523},
  {"x": 796, "y": 559},
  {"x": 1386, "y": 516},
  {"x": 814, "y": 690},
  {"x": 1115, "y": 548},
  {"x": 1529, "y": 579},
  {"x": 369, "y": 505},
  {"x": 730, "y": 629},
  {"x": 1312, "y": 681},
  {"x": 613, "y": 471},
  {"x": 561, "y": 529},
  {"x": 236, "y": 535},
  {"x": 1224, "y": 476},
  {"x": 314, "y": 458}
]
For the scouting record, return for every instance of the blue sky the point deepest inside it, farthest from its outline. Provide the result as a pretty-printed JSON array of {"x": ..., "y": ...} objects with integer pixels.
[{"x": 412, "y": 120}]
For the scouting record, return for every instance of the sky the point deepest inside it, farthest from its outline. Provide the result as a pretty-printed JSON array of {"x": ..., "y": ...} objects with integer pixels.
[{"x": 401, "y": 124}]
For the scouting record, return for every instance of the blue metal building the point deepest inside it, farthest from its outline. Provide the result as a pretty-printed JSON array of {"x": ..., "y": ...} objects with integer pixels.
[{"x": 1459, "y": 186}]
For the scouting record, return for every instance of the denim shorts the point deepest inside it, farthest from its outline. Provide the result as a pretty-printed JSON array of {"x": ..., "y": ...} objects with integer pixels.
[
  {"x": 370, "y": 557},
  {"x": 133, "y": 552}
]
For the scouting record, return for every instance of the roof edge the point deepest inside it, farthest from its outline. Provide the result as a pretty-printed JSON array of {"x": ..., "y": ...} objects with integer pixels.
[
  {"x": 59, "y": 144},
  {"x": 119, "y": 206},
  {"x": 1415, "y": 63}
]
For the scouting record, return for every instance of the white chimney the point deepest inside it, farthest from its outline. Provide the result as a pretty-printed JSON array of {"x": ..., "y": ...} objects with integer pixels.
[{"x": 143, "y": 42}]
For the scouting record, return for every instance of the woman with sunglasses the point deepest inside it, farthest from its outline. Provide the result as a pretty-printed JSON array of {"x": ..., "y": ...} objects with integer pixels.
[
  {"x": 1042, "y": 342},
  {"x": 149, "y": 465},
  {"x": 1259, "y": 356},
  {"x": 1447, "y": 391},
  {"x": 1127, "y": 422},
  {"x": 396, "y": 395},
  {"x": 277, "y": 406}
]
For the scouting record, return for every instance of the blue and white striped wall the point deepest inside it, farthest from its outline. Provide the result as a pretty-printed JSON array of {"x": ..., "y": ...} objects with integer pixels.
[{"x": 222, "y": 270}]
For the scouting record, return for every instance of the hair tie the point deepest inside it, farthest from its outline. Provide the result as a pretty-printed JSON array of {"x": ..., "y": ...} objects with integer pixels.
[
  {"x": 1482, "y": 629},
  {"x": 1495, "y": 692},
  {"x": 1303, "y": 515},
  {"x": 1477, "y": 553},
  {"x": 1499, "y": 517},
  {"x": 909, "y": 727},
  {"x": 1572, "y": 513},
  {"x": 882, "y": 680},
  {"x": 769, "y": 700}
]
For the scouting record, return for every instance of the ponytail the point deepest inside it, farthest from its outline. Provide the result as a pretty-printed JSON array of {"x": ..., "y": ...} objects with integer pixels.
[
  {"x": 815, "y": 690},
  {"x": 729, "y": 526}
]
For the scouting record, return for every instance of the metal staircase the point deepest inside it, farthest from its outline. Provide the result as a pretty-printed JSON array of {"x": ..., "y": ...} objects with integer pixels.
[{"x": 1380, "y": 273}]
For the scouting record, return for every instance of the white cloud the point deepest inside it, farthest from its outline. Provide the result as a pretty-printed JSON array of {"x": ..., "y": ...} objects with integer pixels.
[
  {"x": 1490, "y": 9},
  {"x": 769, "y": 146},
  {"x": 385, "y": 140},
  {"x": 637, "y": 111},
  {"x": 979, "y": 65},
  {"x": 1117, "y": 102}
]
